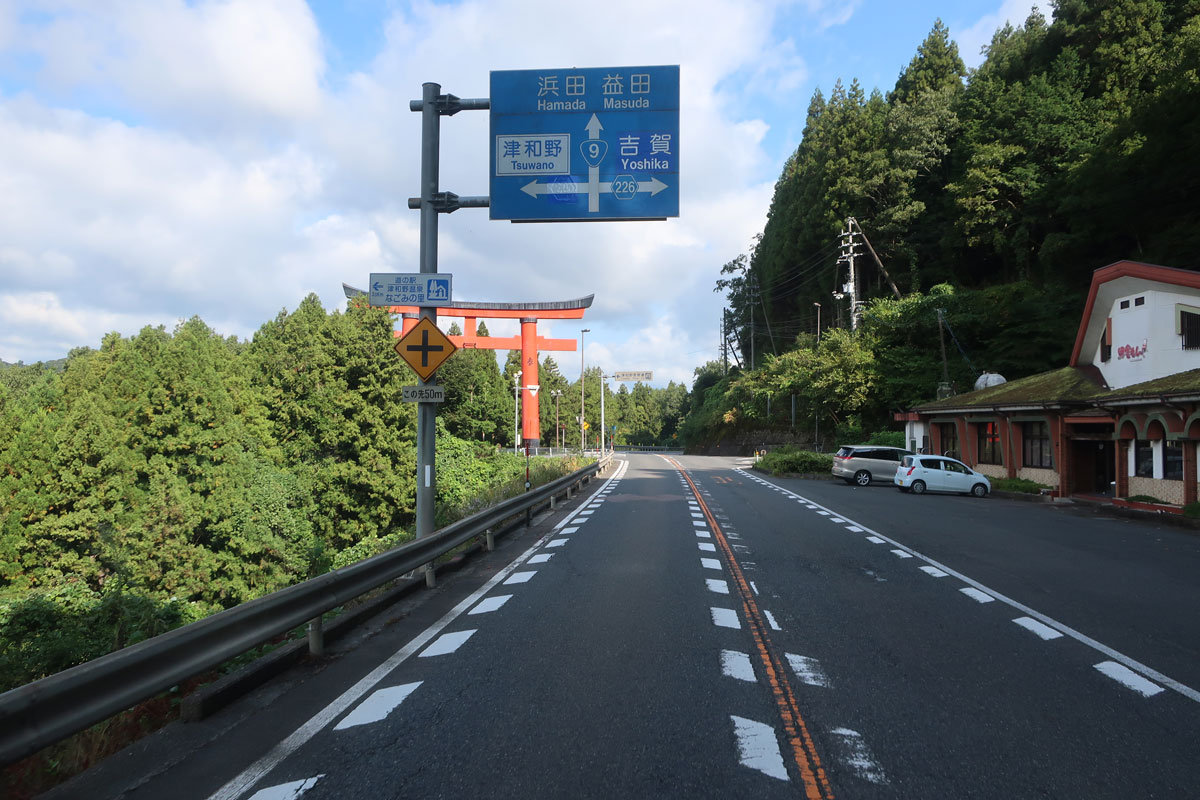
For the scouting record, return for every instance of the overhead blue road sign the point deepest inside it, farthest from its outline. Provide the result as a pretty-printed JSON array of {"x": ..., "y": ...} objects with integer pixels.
[
  {"x": 585, "y": 144},
  {"x": 410, "y": 288}
]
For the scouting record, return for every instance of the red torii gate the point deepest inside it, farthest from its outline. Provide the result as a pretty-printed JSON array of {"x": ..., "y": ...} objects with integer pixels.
[{"x": 529, "y": 342}]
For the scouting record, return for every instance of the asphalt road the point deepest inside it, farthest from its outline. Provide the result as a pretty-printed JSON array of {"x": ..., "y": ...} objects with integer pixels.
[{"x": 694, "y": 629}]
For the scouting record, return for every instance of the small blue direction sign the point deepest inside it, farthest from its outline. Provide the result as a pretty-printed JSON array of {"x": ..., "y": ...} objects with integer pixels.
[
  {"x": 585, "y": 144},
  {"x": 410, "y": 288}
]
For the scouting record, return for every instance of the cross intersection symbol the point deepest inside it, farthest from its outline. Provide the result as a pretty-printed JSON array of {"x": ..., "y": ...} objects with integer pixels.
[{"x": 424, "y": 348}]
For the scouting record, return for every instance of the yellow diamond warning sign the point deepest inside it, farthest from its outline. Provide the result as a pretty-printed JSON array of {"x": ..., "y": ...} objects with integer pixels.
[{"x": 425, "y": 348}]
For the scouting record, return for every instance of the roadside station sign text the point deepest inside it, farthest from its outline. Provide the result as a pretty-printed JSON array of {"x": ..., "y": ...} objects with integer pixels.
[
  {"x": 633, "y": 376},
  {"x": 410, "y": 288}
]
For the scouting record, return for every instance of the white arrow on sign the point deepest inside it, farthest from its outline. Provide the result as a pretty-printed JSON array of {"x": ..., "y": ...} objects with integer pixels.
[
  {"x": 533, "y": 188},
  {"x": 533, "y": 388},
  {"x": 593, "y": 129}
]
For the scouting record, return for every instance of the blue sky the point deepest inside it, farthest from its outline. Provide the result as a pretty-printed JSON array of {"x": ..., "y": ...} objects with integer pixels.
[{"x": 161, "y": 159}]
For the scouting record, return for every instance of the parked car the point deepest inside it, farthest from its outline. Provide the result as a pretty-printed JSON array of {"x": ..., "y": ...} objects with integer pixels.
[
  {"x": 862, "y": 463},
  {"x": 940, "y": 474}
]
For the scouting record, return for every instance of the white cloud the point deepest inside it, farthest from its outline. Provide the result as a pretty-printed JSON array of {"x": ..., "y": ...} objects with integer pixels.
[
  {"x": 831, "y": 13},
  {"x": 208, "y": 62},
  {"x": 233, "y": 181},
  {"x": 973, "y": 39}
]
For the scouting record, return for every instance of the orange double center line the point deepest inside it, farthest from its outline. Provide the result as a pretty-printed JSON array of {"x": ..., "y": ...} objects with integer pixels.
[{"x": 804, "y": 751}]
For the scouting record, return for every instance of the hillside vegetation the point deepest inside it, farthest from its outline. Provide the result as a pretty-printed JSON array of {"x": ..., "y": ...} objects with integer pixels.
[
  {"x": 990, "y": 196},
  {"x": 168, "y": 475}
]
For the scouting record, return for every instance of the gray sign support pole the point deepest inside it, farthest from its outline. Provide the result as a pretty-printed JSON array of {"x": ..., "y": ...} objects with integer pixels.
[
  {"x": 427, "y": 412},
  {"x": 432, "y": 106}
]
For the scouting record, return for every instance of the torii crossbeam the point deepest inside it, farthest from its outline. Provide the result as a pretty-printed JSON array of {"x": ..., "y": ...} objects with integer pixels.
[{"x": 529, "y": 343}]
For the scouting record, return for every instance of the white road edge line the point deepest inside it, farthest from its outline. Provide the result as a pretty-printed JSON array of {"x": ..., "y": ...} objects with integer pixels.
[
  {"x": 248, "y": 777},
  {"x": 1115, "y": 655}
]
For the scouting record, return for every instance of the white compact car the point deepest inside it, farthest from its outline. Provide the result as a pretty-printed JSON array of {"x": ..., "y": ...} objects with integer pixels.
[{"x": 940, "y": 474}]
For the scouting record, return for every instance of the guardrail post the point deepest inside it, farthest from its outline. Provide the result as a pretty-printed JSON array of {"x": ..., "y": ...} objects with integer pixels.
[
  {"x": 430, "y": 576},
  {"x": 491, "y": 540},
  {"x": 316, "y": 637},
  {"x": 552, "y": 502}
]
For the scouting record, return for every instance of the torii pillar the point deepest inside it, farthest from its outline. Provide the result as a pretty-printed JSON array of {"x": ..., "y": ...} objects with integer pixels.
[{"x": 528, "y": 342}]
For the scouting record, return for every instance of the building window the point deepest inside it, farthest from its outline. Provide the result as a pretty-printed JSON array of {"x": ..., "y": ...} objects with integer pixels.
[
  {"x": 1139, "y": 301},
  {"x": 1035, "y": 445},
  {"x": 1124, "y": 304},
  {"x": 1143, "y": 458},
  {"x": 989, "y": 443},
  {"x": 1190, "y": 324},
  {"x": 1173, "y": 461},
  {"x": 949, "y": 435}
]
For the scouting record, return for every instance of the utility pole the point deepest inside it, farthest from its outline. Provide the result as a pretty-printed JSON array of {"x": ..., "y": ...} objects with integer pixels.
[
  {"x": 847, "y": 257},
  {"x": 944, "y": 389},
  {"x": 752, "y": 298},
  {"x": 875, "y": 256},
  {"x": 724, "y": 345}
]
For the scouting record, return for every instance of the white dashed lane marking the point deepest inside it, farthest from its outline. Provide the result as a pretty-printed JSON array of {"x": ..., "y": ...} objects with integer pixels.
[
  {"x": 1045, "y": 632},
  {"x": 875, "y": 540},
  {"x": 446, "y": 643},
  {"x": 858, "y": 758},
  {"x": 1128, "y": 677},
  {"x": 377, "y": 705},
  {"x": 707, "y": 547},
  {"x": 934, "y": 571},
  {"x": 976, "y": 595},
  {"x": 737, "y": 665},
  {"x": 717, "y": 585},
  {"x": 540, "y": 558},
  {"x": 557, "y": 542},
  {"x": 492, "y": 603},
  {"x": 725, "y": 618},
  {"x": 286, "y": 791},
  {"x": 520, "y": 577},
  {"x": 902, "y": 554},
  {"x": 771, "y": 620},
  {"x": 710, "y": 563},
  {"x": 807, "y": 670},
  {"x": 758, "y": 747}
]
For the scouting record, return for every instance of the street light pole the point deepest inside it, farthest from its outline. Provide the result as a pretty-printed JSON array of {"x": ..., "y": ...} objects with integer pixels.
[
  {"x": 582, "y": 371},
  {"x": 603, "y": 391},
  {"x": 516, "y": 393},
  {"x": 817, "y": 418},
  {"x": 557, "y": 393}
]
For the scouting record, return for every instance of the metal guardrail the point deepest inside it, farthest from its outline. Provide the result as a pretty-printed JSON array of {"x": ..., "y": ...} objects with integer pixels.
[{"x": 48, "y": 710}]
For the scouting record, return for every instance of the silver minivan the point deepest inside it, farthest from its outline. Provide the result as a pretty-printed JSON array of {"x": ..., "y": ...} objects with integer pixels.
[{"x": 862, "y": 463}]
